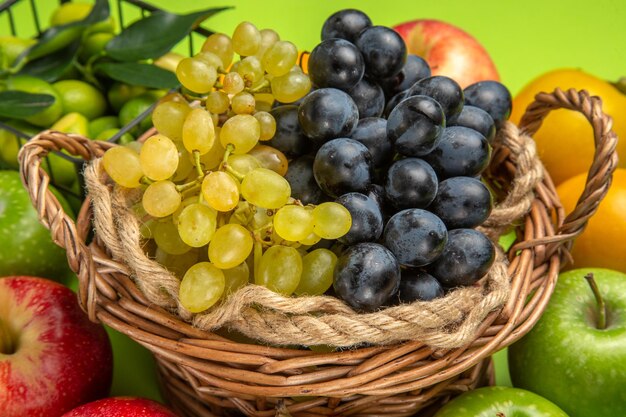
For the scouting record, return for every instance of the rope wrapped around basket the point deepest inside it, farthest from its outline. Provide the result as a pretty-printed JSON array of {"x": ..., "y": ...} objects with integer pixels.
[{"x": 259, "y": 313}]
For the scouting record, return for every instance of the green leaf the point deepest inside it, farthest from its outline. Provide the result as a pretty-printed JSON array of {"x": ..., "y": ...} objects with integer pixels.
[
  {"x": 19, "y": 104},
  {"x": 155, "y": 35},
  {"x": 56, "y": 38},
  {"x": 51, "y": 67},
  {"x": 135, "y": 73}
]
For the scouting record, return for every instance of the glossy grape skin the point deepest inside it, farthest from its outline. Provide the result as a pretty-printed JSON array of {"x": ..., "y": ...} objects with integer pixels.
[
  {"x": 303, "y": 185},
  {"x": 415, "y": 68},
  {"x": 231, "y": 244},
  {"x": 201, "y": 287},
  {"x": 445, "y": 90},
  {"x": 377, "y": 193},
  {"x": 491, "y": 96},
  {"x": 393, "y": 102},
  {"x": 331, "y": 220},
  {"x": 336, "y": 63},
  {"x": 289, "y": 137},
  {"x": 372, "y": 132},
  {"x": 366, "y": 276},
  {"x": 345, "y": 24},
  {"x": 477, "y": 119},
  {"x": 410, "y": 183},
  {"x": 369, "y": 98},
  {"x": 265, "y": 188},
  {"x": 383, "y": 49},
  {"x": 462, "y": 202},
  {"x": 467, "y": 257},
  {"x": 317, "y": 272},
  {"x": 280, "y": 269},
  {"x": 270, "y": 158},
  {"x": 417, "y": 285},
  {"x": 341, "y": 166},
  {"x": 462, "y": 152},
  {"x": 123, "y": 166},
  {"x": 416, "y": 237},
  {"x": 367, "y": 219},
  {"x": 327, "y": 113},
  {"x": 415, "y": 125}
]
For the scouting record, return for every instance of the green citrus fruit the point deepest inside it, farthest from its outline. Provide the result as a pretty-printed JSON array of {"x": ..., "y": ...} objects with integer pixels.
[
  {"x": 72, "y": 123},
  {"x": 99, "y": 125},
  {"x": 133, "y": 109},
  {"x": 35, "y": 85},
  {"x": 10, "y": 48},
  {"x": 81, "y": 97},
  {"x": 73, "y": 11},
  {"x": 109, "y": 133},
  {"x": 93, "y": 45},
  {"x": 120, "y": 93}
]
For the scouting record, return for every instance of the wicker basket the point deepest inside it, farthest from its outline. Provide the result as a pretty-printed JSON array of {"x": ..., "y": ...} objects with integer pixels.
[{"x": 206, "y": 374}]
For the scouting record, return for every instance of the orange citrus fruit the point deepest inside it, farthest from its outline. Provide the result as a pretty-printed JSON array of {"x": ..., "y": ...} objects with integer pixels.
[
  {"x": 565, "y": 139},
  {"x": 602, "y": 243}
]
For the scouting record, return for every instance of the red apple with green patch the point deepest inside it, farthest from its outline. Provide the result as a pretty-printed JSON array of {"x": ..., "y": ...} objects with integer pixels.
[
  {"x": 121, "y": 406},
  {"x": 449, "y": 51},
  {"x": 52, "y": 358}
]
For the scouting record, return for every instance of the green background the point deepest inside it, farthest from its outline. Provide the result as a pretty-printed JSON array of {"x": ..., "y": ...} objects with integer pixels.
[{"x": 525, "y": 39}]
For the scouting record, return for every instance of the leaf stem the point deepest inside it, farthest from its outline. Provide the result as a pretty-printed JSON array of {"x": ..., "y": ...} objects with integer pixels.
[{"x": 601, "y": 324}]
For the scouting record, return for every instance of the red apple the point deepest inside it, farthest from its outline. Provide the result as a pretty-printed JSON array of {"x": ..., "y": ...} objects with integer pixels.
[
  {"x": 121, "y": 406},
  {"x": 448, "y": 50},
  {"x": 52, "y": 358}
]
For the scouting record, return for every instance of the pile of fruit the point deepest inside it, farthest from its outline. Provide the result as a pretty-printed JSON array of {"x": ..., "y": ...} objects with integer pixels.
[{"x": 369, "y": 183}]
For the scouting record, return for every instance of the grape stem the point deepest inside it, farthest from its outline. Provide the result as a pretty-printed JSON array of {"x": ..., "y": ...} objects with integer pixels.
[
  {"x": 145, "y": 180},
  {"x": 218, "y": 85},
  {"x": 601, "y": 324},
  {"x": 258, "y": 253},
  {"x": 197, "y": 163},
  {"x": 233, "y": 172},
  {"x": 263, "y": 87}
]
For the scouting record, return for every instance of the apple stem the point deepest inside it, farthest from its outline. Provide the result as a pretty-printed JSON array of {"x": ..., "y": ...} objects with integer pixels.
[
  {"x": 599, "y": 300},
  {"x": 6, "y": 339}
]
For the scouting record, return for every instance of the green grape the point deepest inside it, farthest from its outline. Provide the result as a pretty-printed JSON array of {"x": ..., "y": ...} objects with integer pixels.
[
  {"x": 158, "y": 157},
  {"x": 168, "y": 118},
  {"x": 280, "y": 269},
  {"x": 231, "y": 244},
  {"x": 233, "y": 83},
  {"x": 246, "y": 39},
  {"x": 217, "y": 102},
  {"x": 196, "y": 224},
  {"x": 145, "y": 228},
  {"x": 167, "y": 238},
  {"x": 265, "y": 188},
  {"x": 270, "y": 158},
  {"x": 196, "y": 75},
  {"x": 317, "y": 272},
  {"x": 212, "y": 159},
  {"x": 243, "y": 163},
  {"x": 280, "y": 58},
  {"x": 185, "y": 163},
  {"x": 293, "y": 223},
  {"x": 221, "y": 45},
  {"x": 311, "y": 239},
  {"x": 262, "y": 217},
  {"x": 210, "y": 58},
  {"x": 264, "y": 103},
  {"x": 176, "y": 264},
  {"x": 267, "y": 123},
  {"x": 236, "y": 277},
  {"x": 201, "y": 287},
  {"x": 220, "y": 190},
  {"x": 161, "y": 198},
  {"x": 331, "y": 220},
  {"x": 268, "y": 38},
  {"x": 243, "y": 103},
  {"x": 242, "y": 131},
  {"x": 290, "y": 87},
  {"x": 251, "y": 70},
  {"x": 123, "y": 166},
  {"x": 183, "y": 204},
  {"x": 198, "y": 131},
  {"x": 134, "y": 145}
]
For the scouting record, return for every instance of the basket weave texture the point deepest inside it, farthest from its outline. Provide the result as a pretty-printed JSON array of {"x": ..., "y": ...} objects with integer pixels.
[{"x": 206, "y": 373}]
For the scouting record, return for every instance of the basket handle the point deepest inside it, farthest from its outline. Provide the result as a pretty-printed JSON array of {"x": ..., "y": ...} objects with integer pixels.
[
  {"x": 601, "y": 170},
  {"x": 62, "y": 227}
]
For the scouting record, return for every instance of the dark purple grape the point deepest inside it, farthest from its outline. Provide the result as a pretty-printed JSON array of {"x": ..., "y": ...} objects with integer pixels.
[
  {"x": 416, "y": 284},
  {"x": 303, "y": 185},
  {"x": 289, "y": 138},
  {"x": 369, "y": 98},
  {"x": 462, "y": 202},
  {"x": 366, "y": 276},
  {"x": 383, "y": 49},
  {"x": 336, "y": 63},
  {"x": 445, "y": 90},
  {"x": 393, "y": 102},
  {"x": 415, "y": 125},
  {"x": 416, "y": 237},
  {"x": 477, "y": 119},
  {"x": 467, "y": 257},
  {"x": 345, "y": 24},
  {"x": 341, "y": 166},
  {"x": 372, "y": 132},
  {"x": 410, "y": 183},
  {"x": 462, "y": 152},
  {"x": 377, "y": 193},
  {"x": 415, "y": 68},
  {"x": 367, "y": 219},
  {"x": 491, "y": 96},
  {"x": 327, "y": 114}
]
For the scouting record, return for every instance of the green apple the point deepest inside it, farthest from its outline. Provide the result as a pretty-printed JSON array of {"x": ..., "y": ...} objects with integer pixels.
[
  {"x": 500, "y": 402},
  {"x": 27, "y": 247},
  {"x": 570, "y": 357}
]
